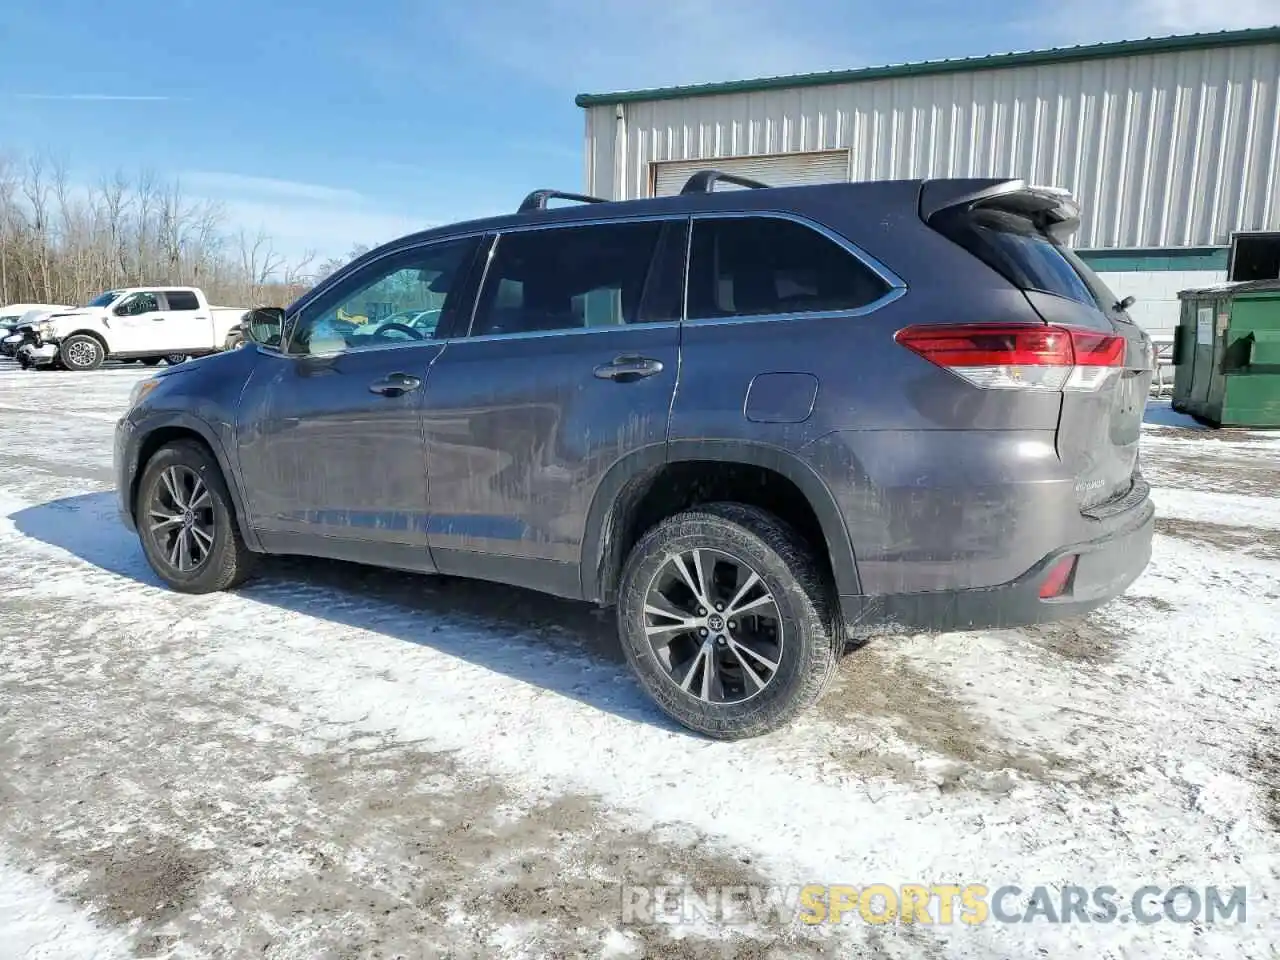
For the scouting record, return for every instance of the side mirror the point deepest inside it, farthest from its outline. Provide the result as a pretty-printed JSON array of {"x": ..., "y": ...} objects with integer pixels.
[
  {"x": 263, "y": 326},
  {"x": 1126, "y": 303}
]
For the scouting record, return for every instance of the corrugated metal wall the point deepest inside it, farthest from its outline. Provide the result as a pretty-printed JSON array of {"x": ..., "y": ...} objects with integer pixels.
[{"x": 1165, "y": 150}]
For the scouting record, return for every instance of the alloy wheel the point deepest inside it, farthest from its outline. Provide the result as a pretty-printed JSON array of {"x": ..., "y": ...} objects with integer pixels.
[
  {"x": 180, "y": 519},
  {"x": 82, "y": 353},
  {"x": 714, "y": 626}
]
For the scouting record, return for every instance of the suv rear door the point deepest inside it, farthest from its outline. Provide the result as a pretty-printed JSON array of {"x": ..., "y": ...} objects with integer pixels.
[
  {"x": 1021, "y": 233},
  {"x": 569, "y": 364}
]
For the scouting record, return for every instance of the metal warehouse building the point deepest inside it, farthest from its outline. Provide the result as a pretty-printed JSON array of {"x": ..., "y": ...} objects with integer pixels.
[{"x": 1171, "y": 144}]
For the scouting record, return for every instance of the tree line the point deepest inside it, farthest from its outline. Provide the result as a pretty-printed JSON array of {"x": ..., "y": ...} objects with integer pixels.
[{"x": 64, "y": 244}]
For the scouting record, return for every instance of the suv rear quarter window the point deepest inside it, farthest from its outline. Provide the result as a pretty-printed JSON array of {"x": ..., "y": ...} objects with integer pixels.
[{"x": 757, "y": 266}]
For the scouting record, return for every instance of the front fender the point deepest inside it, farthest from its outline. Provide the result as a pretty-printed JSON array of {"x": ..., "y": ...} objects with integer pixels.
[
  {"x": 171, "y": 423},
  {"x": 91, "y": 331}
]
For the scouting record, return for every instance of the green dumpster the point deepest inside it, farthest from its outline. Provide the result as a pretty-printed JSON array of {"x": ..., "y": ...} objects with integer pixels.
[{"x": 1226, "y": 354}]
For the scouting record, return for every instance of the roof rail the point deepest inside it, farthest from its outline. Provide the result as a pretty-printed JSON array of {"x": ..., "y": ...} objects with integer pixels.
[
  {"x": 704, "y": 181},
  {"x": 538, "y": 199}
]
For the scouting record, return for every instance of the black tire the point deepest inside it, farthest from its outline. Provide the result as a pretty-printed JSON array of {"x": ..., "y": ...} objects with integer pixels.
[
  {"x": 228, "y": 562},
  {"x": 152, "y": 361},
  {"x": 173, "y": 359},
  {"x": 790, "y": 573},
  {"x": 81, "y": 352}
]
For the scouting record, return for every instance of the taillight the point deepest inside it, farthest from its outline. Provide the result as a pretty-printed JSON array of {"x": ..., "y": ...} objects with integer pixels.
[
  {"x": 1005, "y": 356},
  {"x": 1055, "y": 584}
]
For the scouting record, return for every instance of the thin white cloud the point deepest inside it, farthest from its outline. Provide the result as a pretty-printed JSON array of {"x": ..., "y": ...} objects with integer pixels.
[
  {"x": 94, "y": 97},
  {"x": 237, "y": 184},
  {"x": 323, "y": 229},
  {"x": 298, "y": 216},
  {"x": 611, "y": 44},
  {"x": 1198, "y": 16},
  {"x": 1087, "y": 21}
]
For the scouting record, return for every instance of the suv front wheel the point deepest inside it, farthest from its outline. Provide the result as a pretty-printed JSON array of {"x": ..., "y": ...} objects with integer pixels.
[
  {"x": 726, "y": 620},
  {"x": 187, "y": 523}
]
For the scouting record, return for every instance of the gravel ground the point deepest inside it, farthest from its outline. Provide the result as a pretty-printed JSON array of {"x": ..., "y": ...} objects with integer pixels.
[{"x": 336, "y": 761}]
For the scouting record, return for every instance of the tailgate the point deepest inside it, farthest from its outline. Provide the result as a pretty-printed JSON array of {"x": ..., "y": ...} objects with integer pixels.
[{"x": 1020, "y": 232}]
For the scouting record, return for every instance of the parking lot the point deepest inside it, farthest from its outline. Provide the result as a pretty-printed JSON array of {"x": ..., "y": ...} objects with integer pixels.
[{"x": 337, "y": 761}]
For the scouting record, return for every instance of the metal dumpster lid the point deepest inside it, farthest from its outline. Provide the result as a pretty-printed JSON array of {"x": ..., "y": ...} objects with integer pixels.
[{"x": 1231, "y": 287}]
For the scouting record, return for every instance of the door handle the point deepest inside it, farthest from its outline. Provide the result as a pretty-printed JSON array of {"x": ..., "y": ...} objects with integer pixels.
[
  {"x": 395, "y": 385},
  {"x": 627, "y": 369}
]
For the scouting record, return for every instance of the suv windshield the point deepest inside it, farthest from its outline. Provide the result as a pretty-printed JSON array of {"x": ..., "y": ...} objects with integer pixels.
[{"x": 103, "y": 299}]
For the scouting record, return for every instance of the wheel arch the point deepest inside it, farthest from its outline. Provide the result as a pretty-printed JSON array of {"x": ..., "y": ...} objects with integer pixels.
[
  {"x": 624, "y": 488},
  {"x": 150, "y": 435}
]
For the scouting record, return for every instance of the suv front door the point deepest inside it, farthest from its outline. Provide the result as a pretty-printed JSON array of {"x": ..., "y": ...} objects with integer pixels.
[
  {"x": 570, "y": 365},
  {"x": 328, "y": 435}
]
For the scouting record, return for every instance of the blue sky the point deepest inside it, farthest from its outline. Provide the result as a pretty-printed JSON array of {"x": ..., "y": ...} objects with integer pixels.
[{"x": 340, "y": 122}]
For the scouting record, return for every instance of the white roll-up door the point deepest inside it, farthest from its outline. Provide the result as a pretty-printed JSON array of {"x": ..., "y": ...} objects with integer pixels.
[{"x": 668, "y": 177}]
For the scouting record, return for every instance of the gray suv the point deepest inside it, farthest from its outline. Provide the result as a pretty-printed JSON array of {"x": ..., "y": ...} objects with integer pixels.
[{"x": 757, "y": 421}]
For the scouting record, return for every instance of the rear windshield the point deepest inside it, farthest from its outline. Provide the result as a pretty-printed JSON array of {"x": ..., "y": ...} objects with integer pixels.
[{"x": 1025, "y": 253}]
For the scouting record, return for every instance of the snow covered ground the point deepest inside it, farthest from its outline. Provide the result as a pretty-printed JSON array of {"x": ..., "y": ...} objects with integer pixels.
[{"x": 336, "y": 761}]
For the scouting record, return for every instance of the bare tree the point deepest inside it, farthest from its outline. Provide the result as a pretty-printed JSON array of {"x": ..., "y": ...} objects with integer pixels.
[
  {"x": 64, "y": 243},
  {"x": 8, "y": 184}
]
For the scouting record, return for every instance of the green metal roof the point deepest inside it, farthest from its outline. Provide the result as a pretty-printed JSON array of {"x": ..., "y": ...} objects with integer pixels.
[{"x": 997, "y": 61}]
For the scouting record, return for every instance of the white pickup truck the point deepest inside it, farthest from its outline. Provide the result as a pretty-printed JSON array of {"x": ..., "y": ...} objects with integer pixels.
[{"x": 133, "y": 323}]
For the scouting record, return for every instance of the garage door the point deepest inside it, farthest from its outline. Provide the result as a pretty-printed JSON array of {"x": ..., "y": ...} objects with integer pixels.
[{"x": 668, "y": 177}]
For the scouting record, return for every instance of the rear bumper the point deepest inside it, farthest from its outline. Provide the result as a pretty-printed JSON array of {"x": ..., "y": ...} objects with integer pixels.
[{"x": 1105, "y": 569}]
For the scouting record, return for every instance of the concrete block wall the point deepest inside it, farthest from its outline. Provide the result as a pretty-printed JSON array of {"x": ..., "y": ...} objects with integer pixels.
[{"x": 1157, "y": 308}]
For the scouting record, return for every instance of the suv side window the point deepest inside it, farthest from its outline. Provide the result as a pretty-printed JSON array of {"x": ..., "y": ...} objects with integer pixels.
[
  {"x": 181, "y": 300},
  {"x": 138, "y": 304},
  {"x": 568, "y": 278},
  {"x": 759, "y": 266},
  {"x": 393, "y": 302}
]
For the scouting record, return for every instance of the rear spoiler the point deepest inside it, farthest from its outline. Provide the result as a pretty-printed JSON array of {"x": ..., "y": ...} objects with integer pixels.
[{"x": 1057, "y": 208}]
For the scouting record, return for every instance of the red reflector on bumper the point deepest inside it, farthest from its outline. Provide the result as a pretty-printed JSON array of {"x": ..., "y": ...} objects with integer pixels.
[{"x": 1059, "y": 578}]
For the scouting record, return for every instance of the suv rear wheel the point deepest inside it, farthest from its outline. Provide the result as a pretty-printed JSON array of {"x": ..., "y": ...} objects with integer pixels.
[
  {"x": 187, "y": 523},
  {"x": 726, "y": 620}
]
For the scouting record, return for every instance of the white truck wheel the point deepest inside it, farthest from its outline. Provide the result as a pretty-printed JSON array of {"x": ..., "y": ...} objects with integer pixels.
[{"x": 82, "y": 352}]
